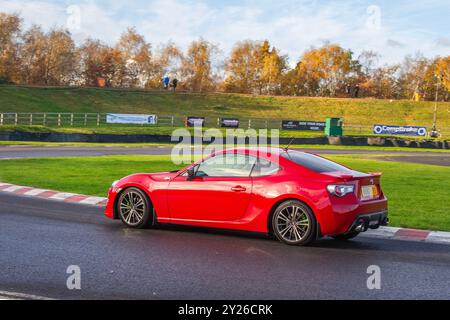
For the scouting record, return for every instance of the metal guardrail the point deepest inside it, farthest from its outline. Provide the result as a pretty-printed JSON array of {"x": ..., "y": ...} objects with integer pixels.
[{"x": 52, "y": 119}]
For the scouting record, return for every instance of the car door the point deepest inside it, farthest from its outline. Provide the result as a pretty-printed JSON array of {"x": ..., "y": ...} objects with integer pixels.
[{"x": 220, "y": 191}]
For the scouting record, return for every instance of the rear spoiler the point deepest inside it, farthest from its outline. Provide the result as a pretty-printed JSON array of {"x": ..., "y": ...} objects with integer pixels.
[
  {"x": 376, "y": 174},
  {"x": 349, "y": 177}
]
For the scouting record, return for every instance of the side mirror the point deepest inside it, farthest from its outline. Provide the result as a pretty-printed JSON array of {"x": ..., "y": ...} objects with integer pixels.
[{"x": 191, "y": 173}]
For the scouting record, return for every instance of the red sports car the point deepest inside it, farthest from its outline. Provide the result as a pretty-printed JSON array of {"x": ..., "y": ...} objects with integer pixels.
[{"x": 297, "y": 196}]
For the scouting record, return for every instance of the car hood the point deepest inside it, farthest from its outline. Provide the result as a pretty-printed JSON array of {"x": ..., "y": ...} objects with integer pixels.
[
  {"x": 162, "y": 176},
  {"x": 159, "y": 176}
]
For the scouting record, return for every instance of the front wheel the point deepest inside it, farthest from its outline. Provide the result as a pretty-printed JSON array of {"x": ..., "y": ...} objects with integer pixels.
[
  {"x": 294, "y": 223},
  {"x": 135, "y": 209}
]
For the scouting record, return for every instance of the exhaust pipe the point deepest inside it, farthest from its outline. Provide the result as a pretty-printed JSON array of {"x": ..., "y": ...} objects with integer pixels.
[{"x": 361, "y": 226}]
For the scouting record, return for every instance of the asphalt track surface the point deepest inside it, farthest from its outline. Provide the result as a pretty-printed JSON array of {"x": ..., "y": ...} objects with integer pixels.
[
  {"x": 17, "y": 152},
  {"x": 39, "y": 239}
]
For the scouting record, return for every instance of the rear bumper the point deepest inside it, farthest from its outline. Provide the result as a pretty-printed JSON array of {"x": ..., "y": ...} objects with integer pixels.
[
  {"x": 343, "y": 216},
  {"x": 369, "y": 221}
]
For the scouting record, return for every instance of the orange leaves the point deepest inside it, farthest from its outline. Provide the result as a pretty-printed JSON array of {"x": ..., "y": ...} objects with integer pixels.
[{"x": 255, "y": 67}]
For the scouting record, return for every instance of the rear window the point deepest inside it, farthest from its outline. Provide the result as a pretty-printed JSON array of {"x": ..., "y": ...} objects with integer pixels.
[{"x": 313, "y": 162}]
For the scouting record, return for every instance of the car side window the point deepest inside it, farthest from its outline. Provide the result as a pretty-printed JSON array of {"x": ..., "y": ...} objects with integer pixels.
[
  {"x": 227, "y": 165},
  {"x": 264, "y": 168}
]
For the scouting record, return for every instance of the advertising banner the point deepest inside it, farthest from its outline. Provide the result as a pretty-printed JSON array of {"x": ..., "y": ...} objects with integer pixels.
[
  {"x": 131, "y": 118},
  {"x": 400, "y": 130},
  {"x": 303, "y": 125},
  {"x": 195, "y": 122},
  {"x": 229, "y": 123}
]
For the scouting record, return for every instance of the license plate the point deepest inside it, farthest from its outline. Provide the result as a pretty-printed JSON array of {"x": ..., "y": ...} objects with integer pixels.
[{"x": 369, "y": 192}]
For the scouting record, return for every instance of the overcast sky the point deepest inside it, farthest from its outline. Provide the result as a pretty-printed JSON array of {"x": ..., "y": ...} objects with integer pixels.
[{"x": 393, "y": 28}]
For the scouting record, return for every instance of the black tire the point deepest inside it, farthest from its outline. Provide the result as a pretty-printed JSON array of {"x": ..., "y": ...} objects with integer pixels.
[
  {"x": 347, "y": 236},
  {"x": 304, "y": 222},
  {"x": 135, "y": 209}
]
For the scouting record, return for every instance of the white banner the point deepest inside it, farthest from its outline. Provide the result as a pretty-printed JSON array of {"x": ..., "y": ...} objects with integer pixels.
[{"x": 130, "y": 118}]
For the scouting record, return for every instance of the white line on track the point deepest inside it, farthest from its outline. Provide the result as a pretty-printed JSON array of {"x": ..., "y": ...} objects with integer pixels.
[
  {"x": 7, "y": 295},
  {"x": 35, "y": 192},
  {"x": 439, "y": 237},
  {"x": 382, "y": 232},
  {"x": 4, "y": 184},
  {"x": 92, "y": 200},
  {"x": 61, "y": 196},
  {"x": 13, "y": 189}
]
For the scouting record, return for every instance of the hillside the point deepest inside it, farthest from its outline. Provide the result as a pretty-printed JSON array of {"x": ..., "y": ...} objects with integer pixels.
[{"x": 354, "y": 111}]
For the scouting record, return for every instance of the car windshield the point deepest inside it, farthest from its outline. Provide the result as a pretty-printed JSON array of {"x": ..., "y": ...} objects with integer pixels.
[{"x": 312, "y": 162}]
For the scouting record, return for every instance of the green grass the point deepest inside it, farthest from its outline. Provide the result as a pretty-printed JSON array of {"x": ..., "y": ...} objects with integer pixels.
[
  {"x": 82, "y": 144},
  {"x": 143, "y": 145},
  {"x": 114, "y": 129},
  {"x": 87, "y": 100},
  {"x": 85, "y": 175},
  {"x": 161, "y": 130},
  {"x": 418, "y": 194},
  {"x": 368, "y": 148}
]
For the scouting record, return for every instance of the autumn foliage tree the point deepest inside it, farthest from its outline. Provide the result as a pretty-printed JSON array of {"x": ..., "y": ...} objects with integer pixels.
[
  {"x": 255, "y": 67},
  {"x": 196, "y": 67},
  {"x": 32, "y": 58},
  {"x": 167, "y": 61},
  {"x": 271, "y": 67},
  {"x": 9, "y": 47},
  {"x": 242, "y": 67},
  {"x": 51, "y": 58},
  {"x": 133, "y": 58},
  {"x": 59, "y": 58},
  {"x": 96, "y": 61},
  {"x": 48, "y": 58},
  {"x": 443, "y": 71},
  {"x": 324, "y": 71}
]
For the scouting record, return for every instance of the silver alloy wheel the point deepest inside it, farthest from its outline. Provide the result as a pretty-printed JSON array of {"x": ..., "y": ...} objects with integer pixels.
[
  {"x": 292, "y": 223},
  {"x": 132, "y": 208}
]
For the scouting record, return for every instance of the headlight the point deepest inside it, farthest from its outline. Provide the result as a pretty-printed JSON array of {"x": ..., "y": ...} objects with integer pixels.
[
  {"x": 340, "y": 190},
  {"x": 114, "y": 184}
]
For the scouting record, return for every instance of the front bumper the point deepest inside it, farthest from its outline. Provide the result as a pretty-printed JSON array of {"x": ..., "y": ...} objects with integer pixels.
[
  {"x": 369, "y": 221},
  {"x": 109, "y": 211}
]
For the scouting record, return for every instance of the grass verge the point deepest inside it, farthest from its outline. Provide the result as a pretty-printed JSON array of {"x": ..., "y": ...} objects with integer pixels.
[
  {"x": 81, "y": 100},
  {"x": 143, "y": 145}
]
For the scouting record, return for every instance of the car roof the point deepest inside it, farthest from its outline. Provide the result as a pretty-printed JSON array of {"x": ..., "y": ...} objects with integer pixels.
[
  {"x": 255, "y": 149},
  {"x": 260, "y": 151}
]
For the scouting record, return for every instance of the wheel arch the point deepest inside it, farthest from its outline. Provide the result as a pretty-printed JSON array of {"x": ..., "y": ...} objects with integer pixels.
[
  {"x": 290, "y": 198},
  {"x": 140, "y": 188}
]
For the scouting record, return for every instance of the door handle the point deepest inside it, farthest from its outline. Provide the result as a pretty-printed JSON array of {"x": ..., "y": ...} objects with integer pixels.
[{"x": 239, "y": 189}]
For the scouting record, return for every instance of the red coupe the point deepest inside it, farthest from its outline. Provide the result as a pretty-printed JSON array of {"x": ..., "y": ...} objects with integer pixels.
[{"x": 297, "y": 196}]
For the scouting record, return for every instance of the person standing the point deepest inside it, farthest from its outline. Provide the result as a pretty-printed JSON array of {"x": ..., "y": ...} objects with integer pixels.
[
  {"x": 166, "y": 81},
  {"x": 174, "y": 84},
  {"x": 356, "y": 92}
]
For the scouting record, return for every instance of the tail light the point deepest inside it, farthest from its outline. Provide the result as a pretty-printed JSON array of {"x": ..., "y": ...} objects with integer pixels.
[{"x": 340, "y": 190}]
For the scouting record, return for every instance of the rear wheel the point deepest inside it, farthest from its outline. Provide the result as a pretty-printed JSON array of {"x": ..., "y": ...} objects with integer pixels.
[
  {"x": 347, "y": 236},
  {"x": 294, "y": 223},
  {"x": 134, "y": 209}
]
